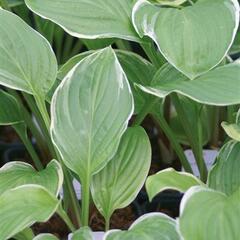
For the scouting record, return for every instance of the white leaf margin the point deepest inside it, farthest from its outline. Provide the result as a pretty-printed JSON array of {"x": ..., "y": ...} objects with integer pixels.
[
  {"x": 151, "y": 34},
  {"x": 13, "y": 164},
  {"x": 67, "y": 80}
]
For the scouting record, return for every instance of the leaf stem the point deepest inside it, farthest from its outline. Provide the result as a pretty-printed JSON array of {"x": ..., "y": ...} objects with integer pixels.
[
  {"x": 65, "y": 218},
  {"x": 107, "y": 224},
  {"x": 196, "y": 145},
  {"x": 30, "y": 124},
  {"x": 145, "y": 111},
  {"x": 174, "y": 142},
  {"x": 74, "y": 202},
  {"x": 21, "y": 130},
  {"x": 85, "y": 200}
]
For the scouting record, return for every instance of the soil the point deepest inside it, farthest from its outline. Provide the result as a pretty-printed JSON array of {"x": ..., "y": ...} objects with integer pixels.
[{"x": 121, "y": 219}]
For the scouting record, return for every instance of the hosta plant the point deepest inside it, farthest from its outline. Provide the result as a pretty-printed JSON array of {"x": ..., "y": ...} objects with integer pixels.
[{"x": 83, "y": 110}]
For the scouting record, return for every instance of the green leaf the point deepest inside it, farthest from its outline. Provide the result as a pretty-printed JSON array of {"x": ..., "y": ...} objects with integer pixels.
[
  {"x": 173, "y": 3},
  {"x": 137, "y": 69},
  {"x": 26, "y": 234},
  {"x": 45, "y": 236},
  {"x": 15, "y": 174},
  {"x": 84, "y": 233},
  {"x": 148, "y": 227},
  {"x": 22, "y": 206},
  {"x": 193, "y": 111},
  {"x": 72, "y": 62},
  {"x": 194, "y": 39},
  {"x": 236, "y": 45},
  {"x": 118, "y": 184},
  {"x": 224, "y": 176},
  {"x": 170, "y": 179},
  {"x": 232, "y": 130},
  {"x": 10, "y": 112},
  {"x": 208, "y": 214},
  {"x": 90, "y": 112},
  {"x": 83, "y": 18},
  {"x": 27, "y": 62},
  {"x": 209, "y": 88}
]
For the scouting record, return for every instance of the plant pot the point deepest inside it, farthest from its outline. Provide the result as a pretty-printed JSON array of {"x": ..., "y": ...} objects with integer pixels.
[
  {"x": 77, "y": 188},
  {"x": 96, "y": 236},
  {"x": 14, "y": 153},
  {"x": 209, "y": 157}
]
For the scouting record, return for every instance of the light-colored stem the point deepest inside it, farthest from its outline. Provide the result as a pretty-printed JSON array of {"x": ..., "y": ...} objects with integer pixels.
[
  {"x": 65, "y": 218},
  {"x": 196, "y": 145},
  {"x": 85, "y": 200},
  {"x": 74, "y": 202}
]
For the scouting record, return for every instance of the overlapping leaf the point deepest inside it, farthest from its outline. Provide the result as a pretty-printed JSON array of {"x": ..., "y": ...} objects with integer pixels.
[
  {"x": 45, "y": 236},
  {"x": 210, "y": 88},
  {"x": 118, "y": 184},
  {"x": 194, "y": 39},
  {"x": 27, "y": 62},
  {"x": 148, "y": 227},
  {"x": 22, "y": 206},
  {"x": 84, "y": 233},
  {"x": 10, "y": 112},
  {"x": 15, "y": 174},
  {"x": 170, "y": 179},
  {"x": 208, "y": 214},
  {"x": 90, "y": 112},
  {"x": 88, "y": 19},
  {"x": 137, "y": 69},
  {"x": 224, "y": 175}
]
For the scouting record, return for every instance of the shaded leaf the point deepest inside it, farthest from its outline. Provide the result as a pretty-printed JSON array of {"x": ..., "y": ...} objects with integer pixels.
[
  {"x": 10, "y": 112},
  {"x": 118, "y": 184},
  {"x": 209, "y": 88}
]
